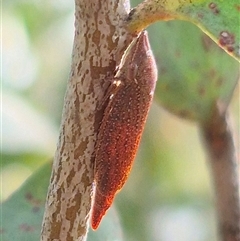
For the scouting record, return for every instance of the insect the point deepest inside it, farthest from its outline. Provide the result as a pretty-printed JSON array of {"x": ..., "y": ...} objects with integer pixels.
[{"x": 129, "y": 99}]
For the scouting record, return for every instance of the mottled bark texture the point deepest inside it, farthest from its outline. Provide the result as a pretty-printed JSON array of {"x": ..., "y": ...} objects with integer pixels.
[
  {"x": 100, "y": 40},
  {"x": 221, "y": 147}
]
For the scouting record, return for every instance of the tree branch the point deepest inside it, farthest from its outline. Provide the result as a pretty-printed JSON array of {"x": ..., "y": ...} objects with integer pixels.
[
  {"x": 220, "y": 146},
  {"x": 99, "y": 42}
]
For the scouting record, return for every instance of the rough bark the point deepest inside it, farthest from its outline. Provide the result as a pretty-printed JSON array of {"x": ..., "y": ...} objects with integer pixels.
[
  {"x": 221, "y": 148},
  {"x": 99, "y": 42}
]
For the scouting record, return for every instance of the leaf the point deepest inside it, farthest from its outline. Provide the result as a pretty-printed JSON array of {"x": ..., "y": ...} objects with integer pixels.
[
  {"x": 193, "y": 72},
  {"x": 22, "y": 213},
  {"x": 219, "y": 19}
]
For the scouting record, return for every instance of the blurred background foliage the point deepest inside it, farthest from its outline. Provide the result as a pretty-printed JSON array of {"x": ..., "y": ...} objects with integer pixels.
[{"x": 168, "y": 196}]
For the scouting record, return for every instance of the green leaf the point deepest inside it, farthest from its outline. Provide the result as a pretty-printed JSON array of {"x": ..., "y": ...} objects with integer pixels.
[
  {"x": 193, "y": 72},
  {"x": 22, "y": 213},
  {"x": 219, "y": 19}
]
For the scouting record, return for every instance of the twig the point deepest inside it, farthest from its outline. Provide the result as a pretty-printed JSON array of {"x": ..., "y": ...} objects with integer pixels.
[
  {"x": 99, "y": 42},
  {"x": 220, "y": 146}
]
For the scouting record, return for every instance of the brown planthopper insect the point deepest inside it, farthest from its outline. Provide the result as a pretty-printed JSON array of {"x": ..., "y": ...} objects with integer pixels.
[{"x": 129, "y": 99}]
